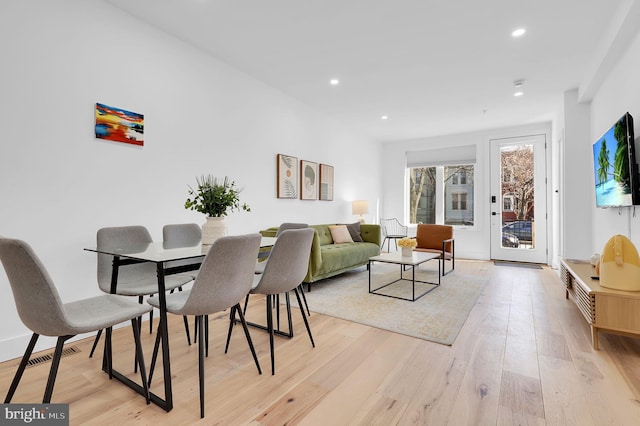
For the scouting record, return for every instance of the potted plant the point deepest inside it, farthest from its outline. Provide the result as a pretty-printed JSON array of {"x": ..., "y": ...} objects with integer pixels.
[
  {"x": 215, "y": 199},
  {"x": 407, "y": 245}
]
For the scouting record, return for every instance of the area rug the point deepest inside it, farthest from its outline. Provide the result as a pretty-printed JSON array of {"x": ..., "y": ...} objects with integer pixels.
[{"x": 437, "y": 316}]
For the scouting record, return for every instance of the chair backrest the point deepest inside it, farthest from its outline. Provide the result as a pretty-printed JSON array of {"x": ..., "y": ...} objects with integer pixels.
[
  {"x": 290, "y": 225},
  {"x": 225, "y": 276},
  {"x": 430, "y": 236},
  {"x": 122, "y": 236},
  {"x": 181, "y": 235},
  {"x": 393, "y": 228},
  {"x": 288, "y": 262},
  {"x": 36, "y": 297}
]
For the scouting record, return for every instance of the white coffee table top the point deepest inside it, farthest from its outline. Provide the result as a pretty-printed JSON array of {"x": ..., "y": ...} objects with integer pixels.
[{"x": 416, "y": 258}]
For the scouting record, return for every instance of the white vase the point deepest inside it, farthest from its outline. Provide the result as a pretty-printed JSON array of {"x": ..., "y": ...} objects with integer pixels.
[
  {"x": 212, "y": 229},
  {"x": 407, "y": 251}
]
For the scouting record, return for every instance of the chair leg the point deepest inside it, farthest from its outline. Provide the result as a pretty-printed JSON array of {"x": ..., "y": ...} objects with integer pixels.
[
  {"x": 232, "y": 320},
  {"x": 304, "y": 317},
  {"x": 288, "y": 304},
  {"x": 108, "y": 353},
  {"x": 206, "y": 334},
  {"x": 200, "y": 320},
  {"x": 270, "y": 329},
  {"x": 248, "y": 336},
  {"x": 53, "y": 372},
  {"x": 304, "y": 298},
  {"x": 95, "y": 343},
  {"x": 21, "y": 367},
  {"x": 186, "y": 329},
  {"x": 140, "y": 358}
]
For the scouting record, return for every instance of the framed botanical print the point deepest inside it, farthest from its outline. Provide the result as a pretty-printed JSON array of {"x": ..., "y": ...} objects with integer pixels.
[
  {"x": 326, "y": 182},
  {"x": 308, "y": 180},
  {"x": 287, "y": 176}
]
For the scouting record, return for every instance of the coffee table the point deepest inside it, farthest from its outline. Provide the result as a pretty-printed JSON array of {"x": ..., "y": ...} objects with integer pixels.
[{"x": 416, "y": 259}]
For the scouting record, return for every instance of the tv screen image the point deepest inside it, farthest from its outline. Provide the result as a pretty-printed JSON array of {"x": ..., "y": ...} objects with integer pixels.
[{"x": 614, "y": 166}]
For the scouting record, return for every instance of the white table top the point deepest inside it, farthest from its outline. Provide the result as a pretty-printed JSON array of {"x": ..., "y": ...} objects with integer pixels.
[{"x": 416, "y": 258}]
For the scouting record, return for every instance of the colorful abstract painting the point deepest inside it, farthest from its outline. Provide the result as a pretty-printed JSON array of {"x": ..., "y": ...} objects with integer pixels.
[{"x": 117, "y": 124}]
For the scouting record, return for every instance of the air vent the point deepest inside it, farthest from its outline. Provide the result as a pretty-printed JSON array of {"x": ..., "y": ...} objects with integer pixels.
[{"x": 48, "y": 357}]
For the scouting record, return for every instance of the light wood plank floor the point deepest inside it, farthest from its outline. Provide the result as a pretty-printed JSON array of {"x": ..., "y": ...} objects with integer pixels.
[{"x": 523, "y": 357}]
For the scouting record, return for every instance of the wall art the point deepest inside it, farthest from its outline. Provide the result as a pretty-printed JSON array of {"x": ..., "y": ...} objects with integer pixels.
[
  {"x": 287, "y": 181},
  {"x": 326, "y": 182},
  {"x": 117, "y": 124},
  {"x": 308, "y": 180}
]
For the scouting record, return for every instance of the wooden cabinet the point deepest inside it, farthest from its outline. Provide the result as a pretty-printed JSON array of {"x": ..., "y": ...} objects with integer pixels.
[{"x": 604, "y": 309}]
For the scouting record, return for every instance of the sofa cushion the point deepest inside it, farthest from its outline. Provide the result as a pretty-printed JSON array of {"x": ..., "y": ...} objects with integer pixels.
[
  {"x": 354, "y": 230},
  {"x": 340, "y": 234}
]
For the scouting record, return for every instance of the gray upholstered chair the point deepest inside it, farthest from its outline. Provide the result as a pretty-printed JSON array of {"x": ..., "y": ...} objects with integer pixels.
[
  {"x": 287, "y": 267},
  {"x": 392, "y": 229},
  {"x": 183, "y": 235},
  {"x": 225, "y": 278},
  {"x": 261, "y": 265},
  {"x": 42, "y": 311},
  {"x": 283, "y": 227},
  {"x": 139, "y": 279}
]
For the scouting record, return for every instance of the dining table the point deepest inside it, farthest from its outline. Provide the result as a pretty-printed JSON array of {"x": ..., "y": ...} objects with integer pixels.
[{"x": 162, "y": 256}]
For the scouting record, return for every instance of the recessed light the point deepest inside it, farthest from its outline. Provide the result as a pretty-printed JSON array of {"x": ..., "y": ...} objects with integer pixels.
[
  {"x": 519, "y": 32},
  {"x": 518, "y": 94},
  {"x": 384, "y": 117},
  {"x": 334, "y": 81}
]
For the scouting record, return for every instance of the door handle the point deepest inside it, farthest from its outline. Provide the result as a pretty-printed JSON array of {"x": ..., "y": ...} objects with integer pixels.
[{"x": 494, "y": 214}]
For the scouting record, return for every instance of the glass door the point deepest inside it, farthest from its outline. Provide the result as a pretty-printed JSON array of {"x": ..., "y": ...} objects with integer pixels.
[{"x": 518, "y": 199}]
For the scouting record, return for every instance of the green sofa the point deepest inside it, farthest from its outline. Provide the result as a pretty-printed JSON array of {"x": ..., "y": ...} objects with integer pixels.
[{"x": 328, "y": 259}]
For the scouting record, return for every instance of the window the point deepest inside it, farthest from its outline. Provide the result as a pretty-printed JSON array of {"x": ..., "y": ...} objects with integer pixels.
[
  {"x": 441, "y": 194},
  {"x": 507, "y": 203},
  {"x": 458, "y": 201}
]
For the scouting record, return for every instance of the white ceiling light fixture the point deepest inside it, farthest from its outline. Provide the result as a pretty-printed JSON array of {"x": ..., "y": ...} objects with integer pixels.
[
  {"x": 518, "y": 85},
  {"x": 518, "y": 33},
  {"x": 384, "y": 117},
  {"x": 334, "y": 82}
]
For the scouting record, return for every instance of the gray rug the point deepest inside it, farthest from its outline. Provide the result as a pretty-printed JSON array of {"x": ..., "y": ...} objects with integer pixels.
[{"x": 438, "y": 316}]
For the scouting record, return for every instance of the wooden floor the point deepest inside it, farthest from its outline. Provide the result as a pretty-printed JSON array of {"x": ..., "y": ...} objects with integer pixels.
[{"x": 523, "y": 357}]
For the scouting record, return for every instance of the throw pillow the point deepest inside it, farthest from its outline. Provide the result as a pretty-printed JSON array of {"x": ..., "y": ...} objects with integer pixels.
[
  {"x": 340, "y": 234},
  {"x": 354, "y": 230}
]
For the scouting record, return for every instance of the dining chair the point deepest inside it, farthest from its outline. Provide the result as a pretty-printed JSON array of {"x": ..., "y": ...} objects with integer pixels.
[
  {"x": 138, "y": 279},
  {"x": 392, "y": 229},
  {"x": 261, "y": 265},
  {"x": 225, "y": 277},
  {"x": 183, "y": 235},
  {"x": 42, "y": 311},
  {"x": 285, "y": 270}
]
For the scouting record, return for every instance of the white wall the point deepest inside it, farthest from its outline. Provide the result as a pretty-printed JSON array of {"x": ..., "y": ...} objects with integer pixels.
[
  {"x": 59, "y": 185},
  {"x": 577, "y": 192},
  {"x": 619, "y": 93},
  {"x": 473, "y": 242}
]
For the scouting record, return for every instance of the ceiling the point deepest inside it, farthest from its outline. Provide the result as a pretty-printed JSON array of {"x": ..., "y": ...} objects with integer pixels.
[{"x": 433, "y": 67}]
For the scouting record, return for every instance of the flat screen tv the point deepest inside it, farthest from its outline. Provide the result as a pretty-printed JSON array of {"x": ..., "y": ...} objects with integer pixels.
[{"x": 614, "y": 166}]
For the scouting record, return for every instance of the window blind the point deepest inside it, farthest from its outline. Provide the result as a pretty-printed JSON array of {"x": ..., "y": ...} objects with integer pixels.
[{"x": 465, "y": 154}]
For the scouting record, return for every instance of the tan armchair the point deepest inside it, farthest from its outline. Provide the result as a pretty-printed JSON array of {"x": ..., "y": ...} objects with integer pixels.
[{"x": 437, "y": 239}]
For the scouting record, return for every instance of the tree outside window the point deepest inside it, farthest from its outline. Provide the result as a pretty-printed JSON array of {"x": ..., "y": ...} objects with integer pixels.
[{"x": 432, "y": 198}]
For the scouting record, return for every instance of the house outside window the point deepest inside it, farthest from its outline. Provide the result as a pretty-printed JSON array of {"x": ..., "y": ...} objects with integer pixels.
[{"x": 441, "y": 194}]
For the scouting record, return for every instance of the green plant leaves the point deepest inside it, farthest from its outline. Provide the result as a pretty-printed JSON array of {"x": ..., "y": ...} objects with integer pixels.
[{"x": 215, "y": 198}]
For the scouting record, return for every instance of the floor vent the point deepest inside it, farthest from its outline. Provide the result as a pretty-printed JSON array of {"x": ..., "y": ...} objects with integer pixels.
[{"x": 49, "y": 356}]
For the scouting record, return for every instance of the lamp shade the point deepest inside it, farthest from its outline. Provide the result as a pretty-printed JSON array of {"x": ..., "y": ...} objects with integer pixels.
[{"x": 360, "y": 207}]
